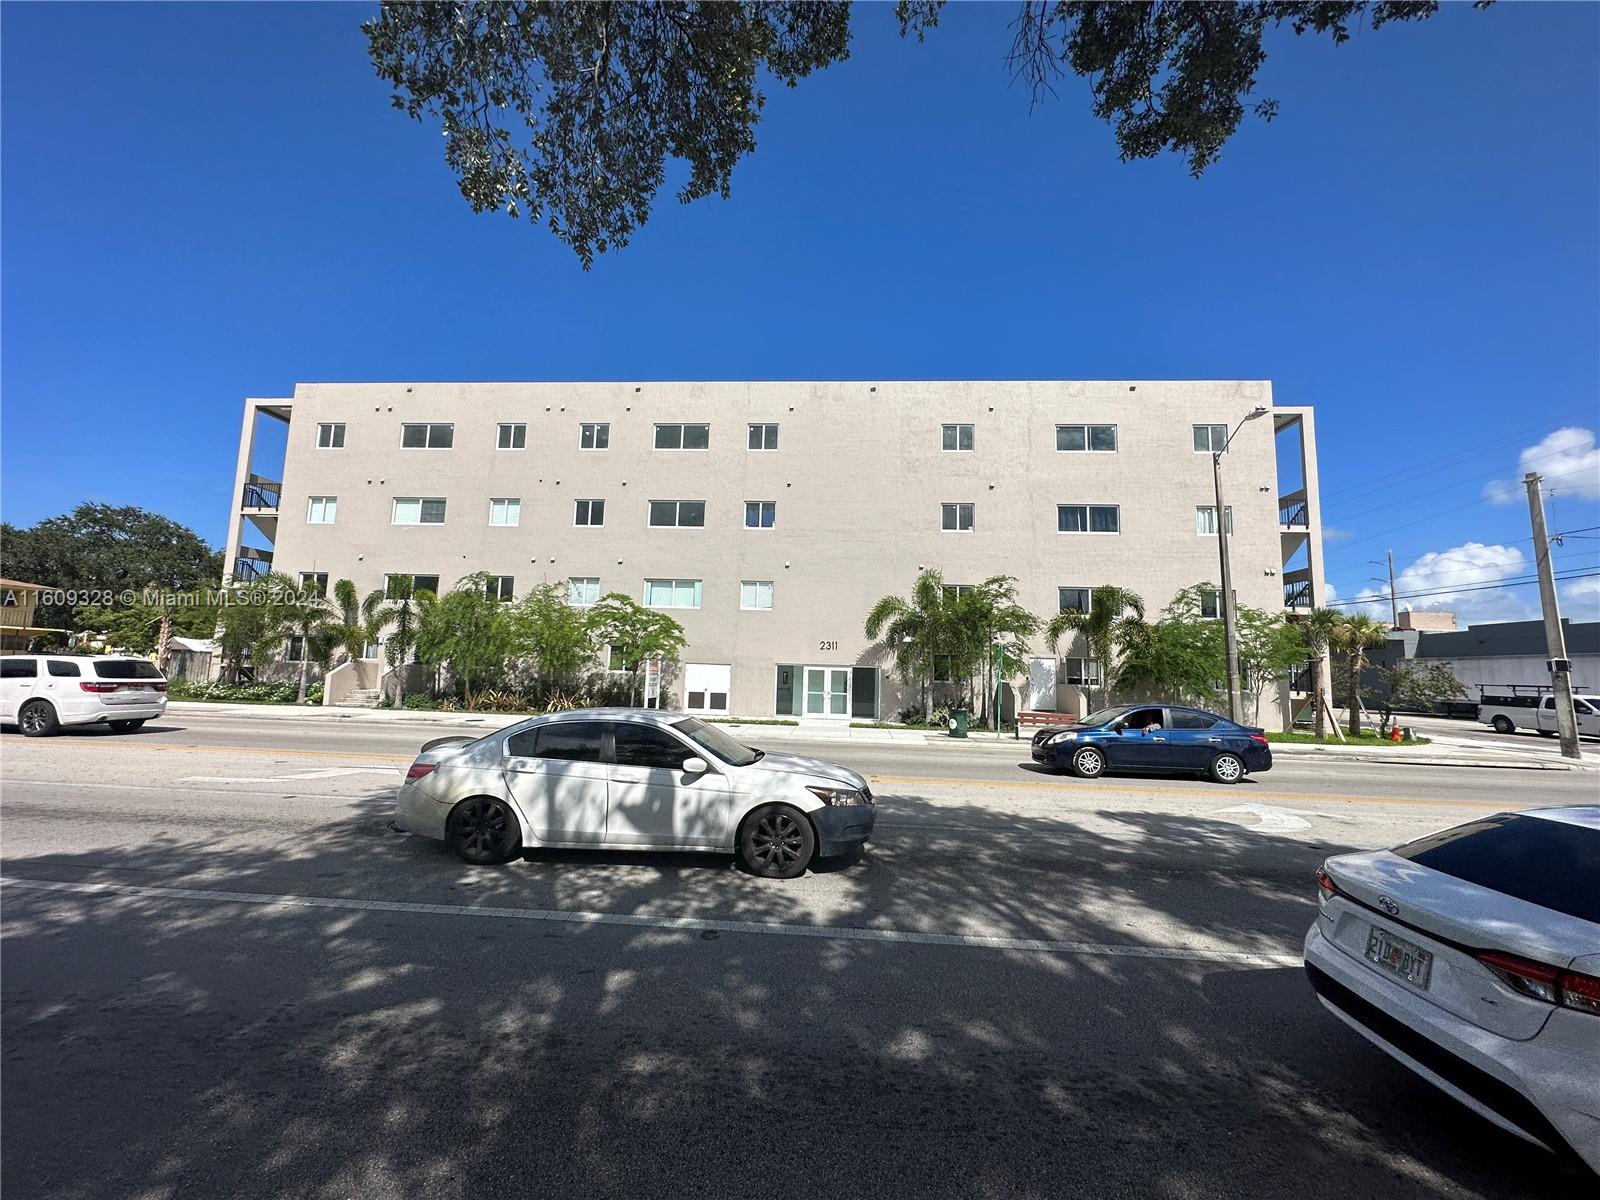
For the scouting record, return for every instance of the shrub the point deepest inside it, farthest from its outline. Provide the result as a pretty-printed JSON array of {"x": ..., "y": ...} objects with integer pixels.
[
  {"x": 420, "y": 701},
  {"x": 314, "y": 693},
  {"x": 232, "y": 693}
]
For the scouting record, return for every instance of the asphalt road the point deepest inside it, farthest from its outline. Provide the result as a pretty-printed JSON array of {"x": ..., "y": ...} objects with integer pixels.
[{"x": 242, "y": 983}]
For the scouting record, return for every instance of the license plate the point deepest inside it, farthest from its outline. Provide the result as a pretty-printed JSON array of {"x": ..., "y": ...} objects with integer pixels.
[{"x": 1399, "y": 957}]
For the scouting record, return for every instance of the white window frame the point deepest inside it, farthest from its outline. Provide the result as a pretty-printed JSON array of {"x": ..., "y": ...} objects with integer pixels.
[
  {"x": 575, "y": 594},
  {"x": 294, "y": 649},
  {"x": 503, "y": 594},
  {"x": 511, "y": 505},
  {"x": 680, "y": 426},
  {"x": 591, "y": 501},
  {"x": 1088, "y": 674},
  {"x": 696, "y": 585},
  {"x": 1088, "y": 519},
  {"x": 764, "y": 427},
  {"x": 516, "y": 428},
  {"x": 1088, "y": 428},
  {"x": 388, "y": 587},
  {"x": 954, "y": 591},
  {"x": 308, "y": 579},
  {"x": 1088, "y": 598},
  {"x": 958, "y": 426},
  {"x": 972, "y": 516},
  {"x": 1215, "y": 596},
  {"x": 676, "y": 514},
  {"x": 1206, "y": 514},
  {"x": 758, "y": 527},
  {"x": 427, "y": 438},
  {"x": 322, "y": 510},
  {"x": 1211, "y": 446},
  {"x": 419, "y": 501},
  {"x": 757, "y": 584},
  {"x": 335, "y": 435},
  {"x": 591, "y": 430}
]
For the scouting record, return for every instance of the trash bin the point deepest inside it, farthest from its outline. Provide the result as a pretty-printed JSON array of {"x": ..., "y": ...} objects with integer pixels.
[{"x": 958, "y": 722}]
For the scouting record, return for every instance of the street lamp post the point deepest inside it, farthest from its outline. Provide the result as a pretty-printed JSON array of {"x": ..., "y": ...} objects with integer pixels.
[{"x": 1230, "y": 631}]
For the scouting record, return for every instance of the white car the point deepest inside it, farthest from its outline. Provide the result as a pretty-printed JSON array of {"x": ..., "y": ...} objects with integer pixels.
[
  {"x": 1473, "y": 957},
  {"x": 40, "y": 693},
  {"x": 632, "y": 779}
]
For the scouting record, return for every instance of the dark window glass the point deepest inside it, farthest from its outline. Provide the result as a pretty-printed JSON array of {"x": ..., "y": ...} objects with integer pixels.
[
  {"x": 569, "y": 741},
  {"x": 1071, "y": 437},
  {"x": 67, "y": 669},
  {"x": 432, "y": 512},
  {"x": 126, "y": 668},
  {"x": 669, "y": 437},
  {"x": 864, "y": 693},
  {"x": 663, "y": 512},
  {"x": 692, "y": 512},
  {"x": 696, "y": 437},
  {"x": 647, "y": 746},
  {"x": 413, "y": 436},
  {"x": 1553, "y": 864},
  {"x": 18, "y": 668},
  {"x": 1143, "y": 718},
  {"x": 1102, "y": 437},
  {"x": 1104, "y": 518},
  {"x": 1191, "y": 720},
  {"x": 424, "y": 583},
  {"x": 441, "y": 437},
  {"x": 1072, "y": 518}
]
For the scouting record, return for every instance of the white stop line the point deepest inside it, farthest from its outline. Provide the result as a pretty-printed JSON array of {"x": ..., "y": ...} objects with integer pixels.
[{"x": 690, "y": 924}]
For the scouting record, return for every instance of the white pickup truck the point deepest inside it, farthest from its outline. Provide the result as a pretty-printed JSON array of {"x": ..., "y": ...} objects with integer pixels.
[{"x": 1508, "y": 713}]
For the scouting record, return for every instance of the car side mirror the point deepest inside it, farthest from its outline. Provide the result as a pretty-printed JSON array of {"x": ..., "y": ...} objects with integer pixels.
[{"x": 695, "y": 765}]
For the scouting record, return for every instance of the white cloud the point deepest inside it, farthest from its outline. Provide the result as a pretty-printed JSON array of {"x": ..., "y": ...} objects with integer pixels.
[
  {"x": 1568, "y": 459},
  {"x": 1332, "y": 533},
  {"x": 1580, "y": 599},
  {"x": 1453, "y": 581}
]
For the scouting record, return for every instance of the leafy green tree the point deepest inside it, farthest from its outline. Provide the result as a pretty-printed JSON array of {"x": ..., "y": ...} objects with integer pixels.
[
  {"x": 1355, "y": 634},
  {"x": 568, "y": 112},
  {"x": 467, "y": 629},
  {"x": 315, "y": 621},
  {"x": 399, "y": 614},
  {"x": 253, "y": 623},
  {"x": 1269, "y": 649},
  {"x": 1316, "y": 629},
  {"x": 138, "y": 626},
  {"x": 636, "y": 631},
  {"x": 1176, "y": 659},
  {"x": 100, "y": 547},
  {"x": 555, "y": 635},
  {"x": 1114, "y": 623},
  {"x": 1414, "y": 686},
  {"x": 913, "y": 631},
  {"x": 982, "y": 617}
]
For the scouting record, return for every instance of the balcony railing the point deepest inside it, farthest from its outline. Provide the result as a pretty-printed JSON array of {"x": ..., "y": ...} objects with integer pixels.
[
  {"x": 1293, "y": 515},
  {"x": 245, "y": 569},
  {"x": 1297, "y": 594},
  {"x": 256, "y": 496},
  {"x": 1300, "y": 681}
]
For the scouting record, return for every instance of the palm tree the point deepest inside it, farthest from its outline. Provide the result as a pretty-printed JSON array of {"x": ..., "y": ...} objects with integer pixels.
[
  {"x": 396, "y": 610},
  {"x": 1318, "y": 627},
  {"x": 309, "y": 617},
  {"x": 1115, "y": 621},
  {"x": 1355, "y": 634},
  {"x": 914, "y": 630},
  {"x": 987, "y": 615}
]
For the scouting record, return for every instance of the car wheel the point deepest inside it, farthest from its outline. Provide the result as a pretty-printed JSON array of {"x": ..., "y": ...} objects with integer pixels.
[
  {"x": 38, "y": 719},
  {"x": 125, "y": 726},
  {"x": 1089, "y": 763},
  {"x": 483, "y": 831},
  {"x": 1547, "y": 733},
  {"x": 1227, "y": 768},
  {"x": 1503, "y": 725},
  {"x": 776, "y": 841}
]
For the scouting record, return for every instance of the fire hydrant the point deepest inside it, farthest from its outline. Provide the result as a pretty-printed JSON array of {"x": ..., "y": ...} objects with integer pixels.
[{"x": 1394, "y": 733}]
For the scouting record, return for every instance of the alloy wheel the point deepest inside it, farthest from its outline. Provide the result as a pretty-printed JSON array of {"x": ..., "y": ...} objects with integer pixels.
[
  {"x": 777, "y": 840},
  {"x": 483, "y": 829}
]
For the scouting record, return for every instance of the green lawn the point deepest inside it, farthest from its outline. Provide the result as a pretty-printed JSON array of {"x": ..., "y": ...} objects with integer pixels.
[{"x": 1366, "y": 739}]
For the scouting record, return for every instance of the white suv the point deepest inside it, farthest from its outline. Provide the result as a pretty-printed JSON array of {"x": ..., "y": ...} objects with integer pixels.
[{"x": 42, "y": 692}]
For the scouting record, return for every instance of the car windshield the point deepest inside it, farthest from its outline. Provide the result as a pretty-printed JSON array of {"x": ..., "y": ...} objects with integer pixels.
[
  {"x": 1554, "y": 864},
  {"x": 729, "y": 750},
  {"x": 126, "y": 668},
  {"x": 1104, "y": 715}
]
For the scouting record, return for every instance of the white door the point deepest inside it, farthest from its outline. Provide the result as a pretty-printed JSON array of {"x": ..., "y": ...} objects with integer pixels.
[
  {"x": 705, "y": 688},
  {"x": 558, "y": 777},
  {"x": 1042, "y": 684},
  {"x": 17, "y": 678},
  {"x": 827, "y": 692},
  {"x": 654, "y": 801}
]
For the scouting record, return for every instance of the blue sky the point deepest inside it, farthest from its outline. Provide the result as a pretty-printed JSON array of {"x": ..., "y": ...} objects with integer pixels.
[{"x": 202, "y": 203}]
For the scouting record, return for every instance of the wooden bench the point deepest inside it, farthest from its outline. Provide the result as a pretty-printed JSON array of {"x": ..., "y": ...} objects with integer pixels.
[{"x": 1037, "y": 720}]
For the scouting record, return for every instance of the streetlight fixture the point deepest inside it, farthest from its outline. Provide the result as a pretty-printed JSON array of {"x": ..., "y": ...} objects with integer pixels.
[{"x": 1230, "y": 632}]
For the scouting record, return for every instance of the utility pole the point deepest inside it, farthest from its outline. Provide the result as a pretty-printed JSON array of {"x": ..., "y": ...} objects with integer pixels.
[
  {"x": 1555, "y": 639},
  {"x": 1230, "y": 633},
  {"x": 1394, "y": 609}
]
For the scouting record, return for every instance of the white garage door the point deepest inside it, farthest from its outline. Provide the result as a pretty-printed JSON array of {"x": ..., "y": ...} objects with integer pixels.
[{"x": 705, "y": 688}]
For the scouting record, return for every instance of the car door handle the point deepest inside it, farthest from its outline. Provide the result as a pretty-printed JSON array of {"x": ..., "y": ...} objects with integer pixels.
[
  {"x": 620, "y": 778},
  {"x": 1158, "y": 739}
]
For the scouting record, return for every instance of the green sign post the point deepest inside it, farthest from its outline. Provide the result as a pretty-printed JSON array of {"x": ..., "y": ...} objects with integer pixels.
[{"x": 999, "y": 684}]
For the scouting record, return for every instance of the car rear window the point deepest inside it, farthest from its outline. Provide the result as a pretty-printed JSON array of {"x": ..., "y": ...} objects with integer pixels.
[
  {"x": 125, "y": 668},
  {"x": 1553, "y": 864},
  {"x": 65, "y": 669},
  {"x": 18, "y": 668}
]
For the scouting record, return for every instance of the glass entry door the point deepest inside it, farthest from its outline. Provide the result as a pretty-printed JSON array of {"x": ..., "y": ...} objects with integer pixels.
[{"x": 827, "y": 692}]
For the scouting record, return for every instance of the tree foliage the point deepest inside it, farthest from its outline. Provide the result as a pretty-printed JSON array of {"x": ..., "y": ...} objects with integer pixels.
[
  {"x": 638, "y": 632},
  {"x": 466, "y": 629},
  {"x": 914, "y": 631},
  {"x": 568, "y": 112},
  {"x": 558, "y": 638},
  {"x": 1354, "y": 635},
  {"x": 1114, "y": 625}
]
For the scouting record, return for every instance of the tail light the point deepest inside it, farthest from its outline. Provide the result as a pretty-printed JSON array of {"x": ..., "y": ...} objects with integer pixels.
[
  {"x": 1325, "y": 882},
  {"x": 1259, "y": 737},
  {"x": 418, "y": 770},
  {"x": 1569, "y": 989},
  {"x": 160, "y": 685},
  {"x": 98, "y": 687}
]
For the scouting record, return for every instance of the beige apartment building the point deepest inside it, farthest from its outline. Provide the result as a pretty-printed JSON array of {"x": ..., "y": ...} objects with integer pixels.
[{"x": 768, "y": 517}]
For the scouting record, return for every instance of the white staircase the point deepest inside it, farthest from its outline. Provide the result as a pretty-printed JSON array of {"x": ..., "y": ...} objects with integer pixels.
[{"x": 362, "y": 698}]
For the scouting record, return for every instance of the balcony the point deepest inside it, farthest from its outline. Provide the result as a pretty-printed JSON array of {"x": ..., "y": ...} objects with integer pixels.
[
  {"x": 251, "y": 564},
  {"x": 259, "y": 504},
  {"x": 1297, "y": 594},
  {"x": 1292, "y": 514},
  {"x": 261, "y": 496}
]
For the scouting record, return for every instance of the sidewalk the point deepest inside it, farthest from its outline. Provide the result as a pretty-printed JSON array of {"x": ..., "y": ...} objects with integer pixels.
[{"x": 1445, "y": 751}]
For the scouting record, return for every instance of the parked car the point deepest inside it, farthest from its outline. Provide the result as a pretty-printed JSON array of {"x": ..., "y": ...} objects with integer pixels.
[
  {"x": 1154, "y": 737},
  {"x": 1472, "y": 956},
  {"x": 40, "y": 693},
  {"x": 1511, "y": 710},
  {"x": 632, "y": 779}
]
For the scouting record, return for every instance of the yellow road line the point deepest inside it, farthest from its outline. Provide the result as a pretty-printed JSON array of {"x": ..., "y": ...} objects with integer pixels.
[{"x": 1213, "y": 793}]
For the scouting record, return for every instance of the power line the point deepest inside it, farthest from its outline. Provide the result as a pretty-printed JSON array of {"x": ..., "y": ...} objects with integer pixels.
[
  {"x": 1511, "y": 542},
  {"x": 1520, "y": 581},
  {"x": 1453, "y": 484}
]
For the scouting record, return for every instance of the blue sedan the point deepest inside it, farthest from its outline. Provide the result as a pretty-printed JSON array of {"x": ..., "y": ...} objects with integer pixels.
[{"x": 1154, "y": 737}]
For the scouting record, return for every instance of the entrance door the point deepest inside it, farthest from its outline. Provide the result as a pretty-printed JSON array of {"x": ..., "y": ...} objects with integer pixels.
[
  {"x": 705, "y": 688},
  {"x": 1042, "y": 684},
  {"x": 827, "y": 692}
]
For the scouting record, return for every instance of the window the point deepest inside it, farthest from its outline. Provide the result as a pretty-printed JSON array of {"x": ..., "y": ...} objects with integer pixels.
[
  {"x": 594, "y": 435},
  {"x": 330, "y": 437},
  {"x": 941, "y": 668},
  {"x": 760, "y": 514},
  {"x": 512, "y": 437},
  {"x": 372, "y": 651},
  {"x": 672, "y": 593},
  {"x": 1210, "y": 439},
  {"x": 427, "y": 437},
  {"x": 755, "y": 594},
  {"x": 1186, "y": 719},
  {"x": 647, "y": 746},
  {"x": 1540, "y": 861},
  {"x": 125, "y": 668},
  {"x": 954, "y": 591},
  {"x": 763, "y": 437},
  {"x": 321, "y": 510},
  {"x": 617, "y": 659},
  {"x": 1072, "y": 599},
  {"x": 1097, "y": 438},
  {"x": 424, "y": 583},
  {"x": 665, "y": 514},
  {"x": 315, "y": 582},
  {"x": 505, "y": 510},
  {"x": 1088, "y": 518},
  {"x": 18, "y": 668},
  {"x": 67, "y": 670},
  {"x": 1080, "y": 672},
  {"x": 498, "y": 587},
  {"x": 956, "y": 517},
  {"x": 295, "y": 649},
  {"x": 589, "y": 512},
  {"x": 402, "y": 587},
  {"x": 417, "y": 510},
  {"x": 1208, "y": 603},
  {"x": 683, "y": 437},
  {"x": 583, "y": 591},
  {"x": 957, "y": 437},
  {"x": 569, "y": 741},
  {"x": 1205, "y": 519}
]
